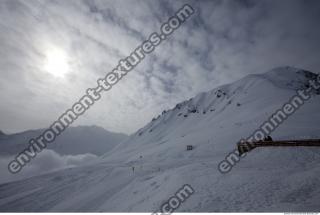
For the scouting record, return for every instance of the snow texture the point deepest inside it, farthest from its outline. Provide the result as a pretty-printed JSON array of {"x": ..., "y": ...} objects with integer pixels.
[{"x": 267, "y": 179}]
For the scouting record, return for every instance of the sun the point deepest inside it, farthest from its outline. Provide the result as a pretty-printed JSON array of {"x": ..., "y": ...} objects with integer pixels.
[{"x": 56, "y": 62}]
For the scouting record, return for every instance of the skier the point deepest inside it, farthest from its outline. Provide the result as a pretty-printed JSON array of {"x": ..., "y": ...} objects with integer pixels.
[{"x": 132, "y": 169}]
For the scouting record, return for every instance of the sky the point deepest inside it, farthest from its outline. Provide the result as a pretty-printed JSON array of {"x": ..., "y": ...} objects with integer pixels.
[{"x": 84, "y": 39}]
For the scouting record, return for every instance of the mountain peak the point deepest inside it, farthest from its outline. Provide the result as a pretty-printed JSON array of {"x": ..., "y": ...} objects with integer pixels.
[
  {"x": 286, "y": 68},
  {"x": 252, "y": 89},
  {"x": 290, "y": 72}
]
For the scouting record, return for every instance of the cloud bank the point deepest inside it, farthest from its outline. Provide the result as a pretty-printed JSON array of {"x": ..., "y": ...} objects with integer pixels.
[{"x": 46, "y": 161}]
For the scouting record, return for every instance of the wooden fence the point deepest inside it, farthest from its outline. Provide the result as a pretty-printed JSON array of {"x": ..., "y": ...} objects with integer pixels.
[{"x": 244, "y": 147}]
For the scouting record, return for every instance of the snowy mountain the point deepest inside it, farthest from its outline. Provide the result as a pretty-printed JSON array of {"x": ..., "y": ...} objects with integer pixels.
[
  {"x": 75, "y": 140},
  {"x": 267, "y": 179},
  {"x": 229, "y": 112}
]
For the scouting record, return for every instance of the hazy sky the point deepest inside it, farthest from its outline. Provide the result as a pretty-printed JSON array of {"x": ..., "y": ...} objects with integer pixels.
[{"x": 222, "y": 42}]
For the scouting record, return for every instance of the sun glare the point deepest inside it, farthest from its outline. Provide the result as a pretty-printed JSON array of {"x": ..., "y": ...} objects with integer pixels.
[{"x": 56, "y": 62}]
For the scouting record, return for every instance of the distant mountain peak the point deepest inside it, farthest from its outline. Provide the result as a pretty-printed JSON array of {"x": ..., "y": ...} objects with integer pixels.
[{"x": 73, "y": 141}]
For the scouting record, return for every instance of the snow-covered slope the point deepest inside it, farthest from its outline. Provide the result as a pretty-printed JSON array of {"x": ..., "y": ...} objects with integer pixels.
[
  {"x": 75, "y": 140},
  {"x": 224, "y": 115},
  {"x": 273, "y": 179}
]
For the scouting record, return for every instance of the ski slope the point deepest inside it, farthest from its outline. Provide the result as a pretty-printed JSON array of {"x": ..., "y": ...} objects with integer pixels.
[{"x": 267, "y": 179}]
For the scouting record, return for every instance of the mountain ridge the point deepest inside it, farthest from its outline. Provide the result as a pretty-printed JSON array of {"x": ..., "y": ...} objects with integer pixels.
[
  {"x": 13, "y": 143},
  {"x": 276, "y": 72},
  {"x": 222, "y": 91}
]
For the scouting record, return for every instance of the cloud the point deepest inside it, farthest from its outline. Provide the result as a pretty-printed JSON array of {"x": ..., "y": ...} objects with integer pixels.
[
  {"x": 222, "y": 42},
  {"x": 46, "y": 161}
]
